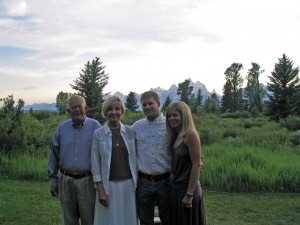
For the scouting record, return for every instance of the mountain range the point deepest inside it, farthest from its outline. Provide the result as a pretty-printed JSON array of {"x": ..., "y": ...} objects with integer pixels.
[{"x": 171, "y": 92}]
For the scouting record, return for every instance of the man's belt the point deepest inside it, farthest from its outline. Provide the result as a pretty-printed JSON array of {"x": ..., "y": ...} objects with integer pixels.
[
  {"x": 75, "y": 175},
  {"x": 158, "y": 177}
]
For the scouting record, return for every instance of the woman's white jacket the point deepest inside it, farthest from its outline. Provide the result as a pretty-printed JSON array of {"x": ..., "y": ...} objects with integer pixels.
[{"x": 102, "y": 150}]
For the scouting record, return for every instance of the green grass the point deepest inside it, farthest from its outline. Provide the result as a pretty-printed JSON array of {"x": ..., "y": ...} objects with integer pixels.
[
  {"x": 245, "y": 168},
  {"x": 30, "y": 203}
]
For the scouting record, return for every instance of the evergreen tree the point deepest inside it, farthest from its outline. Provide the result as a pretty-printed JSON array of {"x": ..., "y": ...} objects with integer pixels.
[
  {"x": 185, "y": 90},
  {"x": 254, "y": 92},
  {"x": 131, "y": 102},
  {"x": 296, "y": 103},
  {"x": 283, "y": 85},
  {"x": 62, "y": 102},
  {"x": 199, "y": 97},
  {"x": 90, "y": 85},
  {"x": 227, "y": 98},
  {"x": 232, "y": 99},
  {"x": 196, "y": 102},
  {"x": 214, "y": 102},
  {"x": 207, "y": 105},
  {"x": 211, "y": 104},
  {"x": 166, "y": 103}
]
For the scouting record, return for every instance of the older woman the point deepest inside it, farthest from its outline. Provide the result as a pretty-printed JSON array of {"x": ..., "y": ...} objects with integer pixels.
[{"x": 114, "y": 170}]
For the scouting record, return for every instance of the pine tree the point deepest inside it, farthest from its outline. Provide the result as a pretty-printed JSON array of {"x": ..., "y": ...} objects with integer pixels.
[
  {"x": 131, "y": 102},
  {"x": 211, "y": 104},
  {"x": 296, "y": 103},
  {"x": 196, "y": 102},
  {"x": 166, "y": 103},
  {"x": 214, "y": 102},
  {"x": 90, "y": 85},
  {"x": 283, "y": 85}
]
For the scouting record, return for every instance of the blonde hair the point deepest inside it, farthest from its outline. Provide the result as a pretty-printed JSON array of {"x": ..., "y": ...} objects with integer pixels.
[
  {"x": 187, "y": 122},
  {"x": 108, "y": 103}
]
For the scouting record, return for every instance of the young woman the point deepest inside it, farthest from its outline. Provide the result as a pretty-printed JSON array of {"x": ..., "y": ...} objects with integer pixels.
[
  {"x": 113, "y": 162},
  {"x": 186, "y": 205}
]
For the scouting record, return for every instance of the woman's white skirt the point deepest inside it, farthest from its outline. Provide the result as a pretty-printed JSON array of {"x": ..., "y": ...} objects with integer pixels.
[{"x": 122, "y": 205}]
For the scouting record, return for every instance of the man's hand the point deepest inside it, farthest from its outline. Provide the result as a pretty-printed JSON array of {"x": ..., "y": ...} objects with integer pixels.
[{"x": 54, "y": 190}]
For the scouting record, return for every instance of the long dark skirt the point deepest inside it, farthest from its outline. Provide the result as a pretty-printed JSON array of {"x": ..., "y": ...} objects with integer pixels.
[{"x": 180, "y": 215}]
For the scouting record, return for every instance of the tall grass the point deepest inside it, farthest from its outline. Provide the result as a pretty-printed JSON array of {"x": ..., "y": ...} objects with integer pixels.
[
  {"x": 29, "y": 166},
  {"x": 240, "y": 155},
  {"x": 249, "y": 169}
]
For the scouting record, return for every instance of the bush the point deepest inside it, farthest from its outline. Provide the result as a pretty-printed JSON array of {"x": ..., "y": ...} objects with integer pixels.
[
  {"x": 41, "y": 115},
  {"x": 292, "y": 123},
  {"x": 235, "y": 115},
  {"x": 294, "y": 137}
]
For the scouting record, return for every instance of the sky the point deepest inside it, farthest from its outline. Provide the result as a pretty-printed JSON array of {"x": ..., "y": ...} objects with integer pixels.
[{"x": 143, "y": 44}]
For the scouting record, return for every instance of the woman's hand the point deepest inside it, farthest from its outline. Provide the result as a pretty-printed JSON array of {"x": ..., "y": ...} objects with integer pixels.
[
  {"x": 187, "y": 201},
  {"x": 103, "y": 198}
]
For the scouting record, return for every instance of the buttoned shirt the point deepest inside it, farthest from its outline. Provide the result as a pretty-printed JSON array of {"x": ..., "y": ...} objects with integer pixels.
[
  {"x": 102, "y": 151},
  {"x": 71, "y": 148},
  {"x": 152, "y": 146}
]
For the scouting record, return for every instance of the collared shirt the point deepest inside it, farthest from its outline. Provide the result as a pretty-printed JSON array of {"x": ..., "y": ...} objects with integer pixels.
[
  {"x": 152, "y": 146},
  {"x": 71, "y": 148},
  {"x": 102, "y": 151}
]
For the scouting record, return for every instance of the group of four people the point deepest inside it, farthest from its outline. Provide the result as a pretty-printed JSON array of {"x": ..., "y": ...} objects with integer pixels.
[{"x": 156, "y": 161}]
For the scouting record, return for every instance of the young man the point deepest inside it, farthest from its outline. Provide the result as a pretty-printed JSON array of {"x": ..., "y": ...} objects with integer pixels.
[
  {"x": 154, "y": 162},
  {"x": 71, "y": 156}
]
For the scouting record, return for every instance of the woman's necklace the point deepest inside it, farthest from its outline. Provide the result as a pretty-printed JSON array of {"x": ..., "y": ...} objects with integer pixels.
[{"x": 117, "y": 137}]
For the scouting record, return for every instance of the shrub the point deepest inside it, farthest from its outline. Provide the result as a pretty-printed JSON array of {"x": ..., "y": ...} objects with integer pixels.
[
  {"x": 291, "y": 123},
  {"x": 294, "y": 137},
  {"x": 41, "y": 115}
]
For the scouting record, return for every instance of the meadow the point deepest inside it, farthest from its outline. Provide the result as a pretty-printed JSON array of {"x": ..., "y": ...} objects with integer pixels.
[{"x": 251, "y": 172}]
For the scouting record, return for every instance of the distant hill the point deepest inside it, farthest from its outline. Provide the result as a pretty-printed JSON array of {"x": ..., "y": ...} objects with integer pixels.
[{"x": 41, "y": 107}]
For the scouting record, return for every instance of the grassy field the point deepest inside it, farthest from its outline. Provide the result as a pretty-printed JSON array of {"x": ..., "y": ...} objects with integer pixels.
[{"x": 30, "y": 203}]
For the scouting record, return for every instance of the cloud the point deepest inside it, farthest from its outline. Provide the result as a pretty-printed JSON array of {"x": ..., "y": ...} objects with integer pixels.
[
  {"x": 13, "y": 8},
  {"x": 160, "y": 42},
  {"x": 28, "y": 88}
]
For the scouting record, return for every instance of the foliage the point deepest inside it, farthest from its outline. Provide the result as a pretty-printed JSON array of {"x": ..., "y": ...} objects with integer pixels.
[
  {"x": 240, "y": 152},
  {"x": 196, "y": 102},
  {"x": 131, "y": 102},
  {"x": 11, "y": 128},
  {"x": 295, "y": 105},
  {"x": 90, "y": 85},
  {"x": 130, "y": 117},
  {"x": 232, "y": 98},
  {"x": 185, "y": 90},
  {"x": 239, "y": 114},
  {"x": 62, "y": 102},
  {"x": 249, "y": 169},
  {"x": 294, "y": 137},
  {"x": 41, "y": 115},
  {"x": 254, "y": 91},
  {"x": 211, "y": 104},
  {"x": 292, "y": 123},
  {"x": 166, "y": 103},
  {"x": 283, "y": 84}
]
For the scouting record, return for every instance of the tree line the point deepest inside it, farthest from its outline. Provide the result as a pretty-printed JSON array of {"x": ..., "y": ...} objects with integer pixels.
[{"x": 281, "y": 100}]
